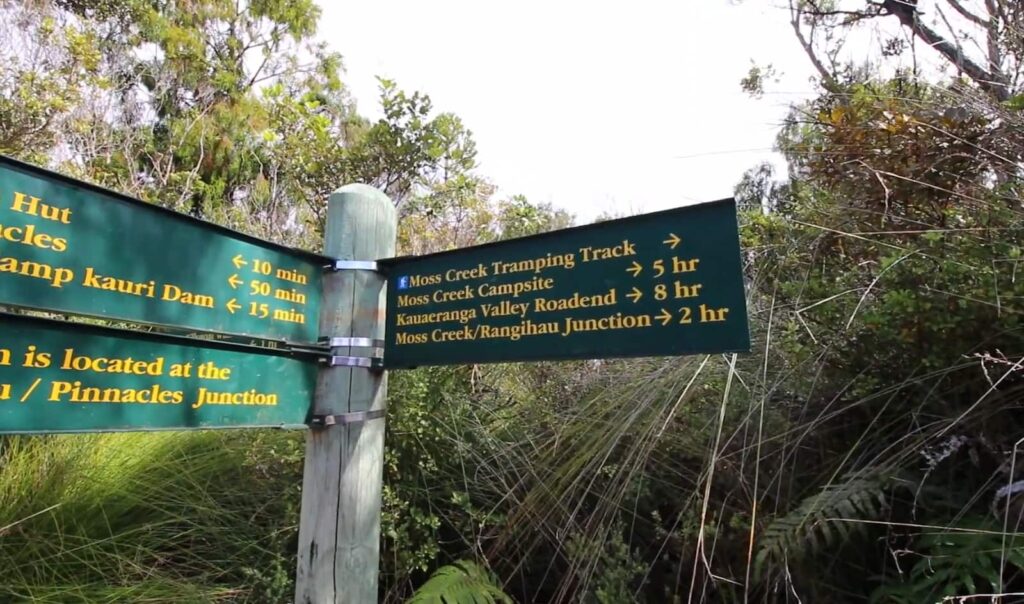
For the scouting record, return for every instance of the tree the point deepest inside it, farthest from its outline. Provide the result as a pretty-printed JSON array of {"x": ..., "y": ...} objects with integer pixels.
[
  {"x": 886, "y": 262},
  {"x": 229, "y": 111},
  {"x": 43, "y": 84},
  {"x": 984, "y": 42},
  {"x": 408, "y": 152}
]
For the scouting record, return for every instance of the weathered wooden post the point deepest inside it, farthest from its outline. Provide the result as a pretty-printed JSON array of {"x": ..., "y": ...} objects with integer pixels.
[{"x": 339, "y": 532}]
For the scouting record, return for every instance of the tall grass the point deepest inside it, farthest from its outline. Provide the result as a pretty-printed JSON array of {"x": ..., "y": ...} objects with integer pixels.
[{"x": 174, "y": 516}]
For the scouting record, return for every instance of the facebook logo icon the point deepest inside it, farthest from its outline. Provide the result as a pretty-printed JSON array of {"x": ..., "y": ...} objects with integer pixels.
[{"x": 403, "y": 282}]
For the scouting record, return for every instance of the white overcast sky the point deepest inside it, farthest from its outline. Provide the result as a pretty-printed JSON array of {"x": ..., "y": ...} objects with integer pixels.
[{"x": 593, "y": 106}]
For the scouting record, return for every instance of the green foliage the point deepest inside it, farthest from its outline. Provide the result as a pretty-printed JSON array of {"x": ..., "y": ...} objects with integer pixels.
[
  {"x": 42, "y": 89},
  {"x": 408, "y": 150},
  {"x": 822, "y": 521},
  {"x": 959, "y": 562},
  {"x": 615, "y": 573},
  {"x": 518, "y": 217},
  {"x": 886, "y": 262},
  {"x": 464, "y": 582},
  {"x": 754, "y": 82},
  {"x": 195, "y": 516}
]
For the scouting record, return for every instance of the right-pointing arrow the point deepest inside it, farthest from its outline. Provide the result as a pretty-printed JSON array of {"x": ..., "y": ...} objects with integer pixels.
[
  {"x": 672, "y": 241},
  {"x": 635, "y": 296},
  {"x": 664, "y": 317},
  {"x": 635, "y": 269}
]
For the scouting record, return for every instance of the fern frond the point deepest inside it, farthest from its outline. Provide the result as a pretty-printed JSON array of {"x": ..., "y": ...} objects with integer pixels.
[
  {"x": 464, "y": 582},
  {"x": 820, "y": 522}
]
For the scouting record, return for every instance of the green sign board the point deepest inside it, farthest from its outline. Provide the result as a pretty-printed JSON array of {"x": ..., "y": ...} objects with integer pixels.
[
  {"x": 72, "y": 247},
  {"x": 667, "y": 283},
  {"x": 66, "y": 377}
]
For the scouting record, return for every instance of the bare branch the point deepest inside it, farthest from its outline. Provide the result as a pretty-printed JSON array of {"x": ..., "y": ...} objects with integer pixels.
[
  {"x": 985, "y": 79},
  {"x": 960, "y": 8},
  {"x": 992, "y": 35},
  {"x": 828, "y": 79}
]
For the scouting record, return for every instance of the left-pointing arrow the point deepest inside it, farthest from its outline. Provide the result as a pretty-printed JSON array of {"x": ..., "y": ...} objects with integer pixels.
[
  {"x": 238, "y": 261},
  {"x": 234, "y": 281},
  {"x": 233, "y": 305}
]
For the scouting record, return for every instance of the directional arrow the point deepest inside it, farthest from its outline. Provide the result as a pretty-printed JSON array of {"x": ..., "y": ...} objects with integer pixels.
[
  {"x": 233, "y": 305},
  {"x": 238, "y": 261},
  {"x": 664, "y": 317},
  {"x": 234, "y": 281},
  {"x": 672, "y": 241},
  {"x": 635, "y": 296},
  {"x": 635, "y": 269}
]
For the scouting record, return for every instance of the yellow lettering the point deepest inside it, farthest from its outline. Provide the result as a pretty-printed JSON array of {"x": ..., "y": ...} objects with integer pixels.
[
  {"x": 121, "y": 286},
  {"x": 57, "y": 389},
  {"x": 465, "y": 293},
  {"x": 71, "y": 362},
  {"x": 607, "y": 253},
  {"x": 289, "y": 316},
  {"x": 250, "y": 397},
  {"x": 173, "y": 293},
  {"x": 291, "y": 275},
  {"x": 75, "y": 392},
  {"x": 34, "y": 206},
  {"x": 712, "y": 315},
  {"x": 684, "y": 265},
  {"x": 476, "y": 272},
  {"x": 57, "y": 277},
  {"x": 688, "y": 291},
  {"x": 413, "y": 300},
  {"x": 411, "y": 338},
  {"x": 535, "y": 265}
]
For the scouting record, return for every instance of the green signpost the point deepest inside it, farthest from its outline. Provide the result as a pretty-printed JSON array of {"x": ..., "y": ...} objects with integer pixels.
[
  {"x": 667, "y": 283},
  {"x": 72, "y": 247},
  {"x": 64, "y": 377}
]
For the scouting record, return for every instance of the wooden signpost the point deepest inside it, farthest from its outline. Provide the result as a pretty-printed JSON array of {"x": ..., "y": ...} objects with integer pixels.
[{"x": 295, "y": 339}]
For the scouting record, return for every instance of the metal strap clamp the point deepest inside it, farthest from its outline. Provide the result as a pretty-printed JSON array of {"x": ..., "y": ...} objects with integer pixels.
[
  {"x": 342, "y": 341},
  {"x": 346, "y": 361},
  {"x": 352, "y": 265},
  {"x": 344, "y": 419}
]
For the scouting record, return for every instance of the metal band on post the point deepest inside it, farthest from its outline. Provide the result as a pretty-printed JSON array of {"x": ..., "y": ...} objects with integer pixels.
[
  {"x": 352, "y": 342},
  {"x": 347, "y": 361},
  {"x": 343, "y": 419},
  {"x": 334, "y": 360},
  {"x": 352, "y": 265}
]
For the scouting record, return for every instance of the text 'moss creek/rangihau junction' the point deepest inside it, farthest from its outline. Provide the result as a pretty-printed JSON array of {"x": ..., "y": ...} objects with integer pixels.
[
  {"x": 67, "y": 246},
  {"x": 667, "y": 283}
]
